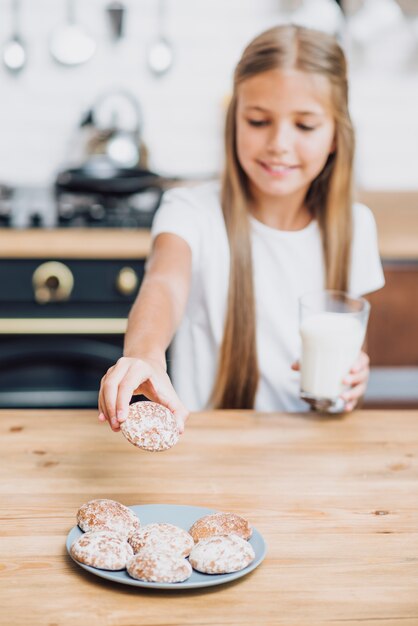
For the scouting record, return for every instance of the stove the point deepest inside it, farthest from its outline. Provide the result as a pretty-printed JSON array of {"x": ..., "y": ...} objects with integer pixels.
[
  {"x": 47, "y": 207},
  {"x": 62, "y": 320}
]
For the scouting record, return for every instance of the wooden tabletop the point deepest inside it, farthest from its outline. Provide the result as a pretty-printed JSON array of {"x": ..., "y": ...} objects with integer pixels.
[{"x": 335, "y": 499}]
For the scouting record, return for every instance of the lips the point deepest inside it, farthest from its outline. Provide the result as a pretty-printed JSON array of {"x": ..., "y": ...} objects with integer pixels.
[{"x": 277, "y": 169}]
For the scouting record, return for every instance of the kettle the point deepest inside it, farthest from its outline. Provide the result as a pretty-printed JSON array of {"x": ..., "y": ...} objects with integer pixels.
[
  {"x": 111, "y": 157},
  {"x": 113, "y": 128}
]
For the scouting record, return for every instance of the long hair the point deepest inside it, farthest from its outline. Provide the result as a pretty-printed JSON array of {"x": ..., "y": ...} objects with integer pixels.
[{"x": 328, "y": 199}]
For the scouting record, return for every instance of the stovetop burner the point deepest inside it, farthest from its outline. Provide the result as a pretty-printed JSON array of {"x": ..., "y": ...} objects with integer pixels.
[
  {"x": 35, "y": 207},
  {"x": 99, "y": 211}
]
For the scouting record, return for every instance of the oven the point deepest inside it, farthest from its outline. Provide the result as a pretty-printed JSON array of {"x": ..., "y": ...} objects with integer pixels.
[
  {"x": 72, "y": 259},
  {"x": 62, "y": 322}
]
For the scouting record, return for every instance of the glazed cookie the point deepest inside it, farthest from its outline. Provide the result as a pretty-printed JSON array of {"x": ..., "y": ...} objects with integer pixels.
[
  {"x": 162, "y": 537},
  {"x": 107, "y": 515},
  {"x": 150, "y": 426},
  {"x": 220, "y": 524},
  {"x": 102, "y": 549},
  {"x": 222, "y": 554},
  {"x": 158, "y": 567}
]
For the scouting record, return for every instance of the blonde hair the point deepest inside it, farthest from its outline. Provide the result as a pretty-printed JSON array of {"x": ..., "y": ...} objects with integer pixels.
[{"x": 329, "y": 200}]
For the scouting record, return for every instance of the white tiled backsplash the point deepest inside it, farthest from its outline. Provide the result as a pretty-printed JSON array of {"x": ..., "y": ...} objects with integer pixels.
[{"x": 40, "y": 108}]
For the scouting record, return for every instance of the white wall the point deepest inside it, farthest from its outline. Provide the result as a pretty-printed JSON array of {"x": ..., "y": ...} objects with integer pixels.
[{"x": 41, "y": 107}]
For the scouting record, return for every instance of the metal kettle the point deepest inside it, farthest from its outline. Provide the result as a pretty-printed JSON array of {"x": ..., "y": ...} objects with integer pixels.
[
  {"x": 113, "y": 128},
  {"x": 111, "y": 156}
]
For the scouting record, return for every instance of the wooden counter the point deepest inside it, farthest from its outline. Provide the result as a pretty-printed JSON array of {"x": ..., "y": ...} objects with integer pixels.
[
  {"x": 396, "y": 215},
  {"x": 334, "y": 498},
  {"x": 74, "y": 243}
]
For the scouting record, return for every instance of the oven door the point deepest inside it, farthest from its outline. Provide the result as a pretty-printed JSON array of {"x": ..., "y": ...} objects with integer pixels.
[{"x": 48, "y": 371}]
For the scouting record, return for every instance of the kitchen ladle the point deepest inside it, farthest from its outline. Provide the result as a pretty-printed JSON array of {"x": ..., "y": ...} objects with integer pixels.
[
  {"x": 69, "y": 44},
  {"x": 14, "y": 51},
  {"x": 160, "y": 54},
  {"x": 116, "y": 12}
]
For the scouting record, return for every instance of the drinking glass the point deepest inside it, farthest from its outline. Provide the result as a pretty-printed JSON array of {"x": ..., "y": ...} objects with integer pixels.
[{"x": 332, "y": 327}]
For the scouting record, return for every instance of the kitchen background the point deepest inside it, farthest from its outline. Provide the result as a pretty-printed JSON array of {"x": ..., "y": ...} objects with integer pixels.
[
  {"x": 42, "y": 105},
  {"x": 84, "y": 83}
]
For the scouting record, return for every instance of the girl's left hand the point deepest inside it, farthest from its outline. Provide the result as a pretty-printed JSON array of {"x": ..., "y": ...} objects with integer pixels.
[{"x": 357, "y": 378}]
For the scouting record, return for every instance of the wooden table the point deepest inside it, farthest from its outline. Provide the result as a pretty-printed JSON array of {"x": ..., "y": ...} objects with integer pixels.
[{"x": 335, "y": 499}]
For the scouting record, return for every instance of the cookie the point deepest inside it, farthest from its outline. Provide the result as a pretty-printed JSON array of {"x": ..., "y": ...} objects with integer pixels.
[
  {"x": 158, "y": 567},
  {"x": 162, "y": 537},
  {"x": 221, "y": 554},
  {"x": 220, "y": 524},
  {"x": 102, "y": 549},
  {"x": 150, "y": 426},
  {"x": 107, "y": 515}
]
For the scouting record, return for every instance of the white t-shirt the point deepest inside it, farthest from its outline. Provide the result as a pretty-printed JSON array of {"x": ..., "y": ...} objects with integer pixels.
[{"x": 286, "y": 265}]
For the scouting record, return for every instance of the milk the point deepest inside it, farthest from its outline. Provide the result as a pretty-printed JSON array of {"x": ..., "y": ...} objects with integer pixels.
[{"x": 331, "y": 343}]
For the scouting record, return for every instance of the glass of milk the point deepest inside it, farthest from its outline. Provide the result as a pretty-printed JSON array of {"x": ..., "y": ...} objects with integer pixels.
[{"x": 332, "y": 327}]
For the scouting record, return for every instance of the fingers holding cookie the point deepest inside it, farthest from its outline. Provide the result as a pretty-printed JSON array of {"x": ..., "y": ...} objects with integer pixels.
[
  {"x": 137, "y": 376},
  {"x": 155, "y": 385},
  {"x": 108, "y": 392}
]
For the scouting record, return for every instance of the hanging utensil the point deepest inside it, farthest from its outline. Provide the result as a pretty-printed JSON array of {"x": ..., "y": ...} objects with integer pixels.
[
  {"x": 160, "y": 54},
  {"x": 70, "y": 44},
  {"x": 116, "y": 12},
  {"x": 14, "y": 51},
  {"x": 324, "y": 15}
]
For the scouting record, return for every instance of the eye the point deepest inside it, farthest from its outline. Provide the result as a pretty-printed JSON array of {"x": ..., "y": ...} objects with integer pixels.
[
  {"x": 305, "y": 127},
  {"x": 257, "y": 123}
]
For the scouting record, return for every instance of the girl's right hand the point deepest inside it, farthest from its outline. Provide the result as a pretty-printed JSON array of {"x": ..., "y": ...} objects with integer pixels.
[{"x": 131, "y": 376}]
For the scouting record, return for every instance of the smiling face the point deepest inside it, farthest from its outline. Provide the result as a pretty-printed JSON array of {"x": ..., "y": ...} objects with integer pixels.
[{"x": 285, "y": 132}]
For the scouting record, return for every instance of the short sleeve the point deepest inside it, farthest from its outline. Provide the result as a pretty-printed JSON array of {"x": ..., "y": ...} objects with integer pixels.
[
  {"x": 179, "y": 215},
  {"x": 366, "y": 268}
]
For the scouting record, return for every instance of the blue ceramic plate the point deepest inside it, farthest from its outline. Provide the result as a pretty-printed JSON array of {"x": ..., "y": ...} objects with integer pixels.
[{"x": 183, "y": 516}]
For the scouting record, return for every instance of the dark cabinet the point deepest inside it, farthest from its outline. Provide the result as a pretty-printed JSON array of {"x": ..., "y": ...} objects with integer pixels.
[
  {"x": 393, "y": 339},
  {"x": 393, "y": 327}
]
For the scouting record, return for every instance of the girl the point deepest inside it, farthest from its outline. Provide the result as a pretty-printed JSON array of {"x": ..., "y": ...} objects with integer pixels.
[{"x": 228, "y": 264}]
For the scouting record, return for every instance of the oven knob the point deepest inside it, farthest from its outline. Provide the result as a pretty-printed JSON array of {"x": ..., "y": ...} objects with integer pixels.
[
  {"x": 52, "y": 282},
  {"x": 127, "y": 281}
]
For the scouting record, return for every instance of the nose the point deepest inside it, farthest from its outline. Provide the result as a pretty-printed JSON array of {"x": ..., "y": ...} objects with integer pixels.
[{"x": 280, "y": 138}]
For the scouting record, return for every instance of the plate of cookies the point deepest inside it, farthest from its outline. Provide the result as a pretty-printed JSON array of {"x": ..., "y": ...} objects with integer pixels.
[{"x": 164, "y": 546}]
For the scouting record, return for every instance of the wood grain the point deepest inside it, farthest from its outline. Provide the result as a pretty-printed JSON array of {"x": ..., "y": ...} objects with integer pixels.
[
  {"x": 75, "y": 243},
  {"x": 335, "y": 499},
  {"x": 396, "y": 216}
]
